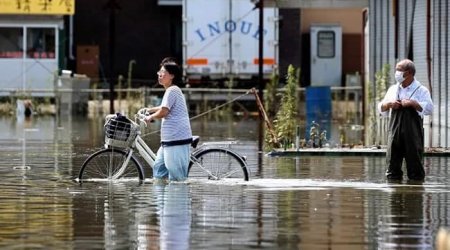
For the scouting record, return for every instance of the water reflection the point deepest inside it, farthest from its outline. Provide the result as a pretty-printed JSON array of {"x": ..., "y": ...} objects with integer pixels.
[
  {"x": 406, "y": 222},
  {"x": 312, "y": 202},
  {"x": 174, "y": 210}
]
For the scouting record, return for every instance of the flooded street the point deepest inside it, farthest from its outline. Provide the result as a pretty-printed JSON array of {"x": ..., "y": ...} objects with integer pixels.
[{"x": 308, "y": 202}]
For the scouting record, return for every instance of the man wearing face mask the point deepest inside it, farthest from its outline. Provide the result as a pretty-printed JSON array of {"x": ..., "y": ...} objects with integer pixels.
[{"x": 406, "y": 102}]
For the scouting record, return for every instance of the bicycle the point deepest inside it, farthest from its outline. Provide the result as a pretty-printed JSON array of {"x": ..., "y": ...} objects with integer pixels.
[{"x": 123, "y": 142}]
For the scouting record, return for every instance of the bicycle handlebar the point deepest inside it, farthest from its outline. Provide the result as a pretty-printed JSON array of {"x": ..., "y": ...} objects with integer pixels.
[{"x": 141, "y": 114}]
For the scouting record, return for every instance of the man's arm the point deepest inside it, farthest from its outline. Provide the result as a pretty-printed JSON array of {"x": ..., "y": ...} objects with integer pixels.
[
  {"x": 412, "y": 104},
  {"x": 389, "y": 101},
  {"x": 391, "y": 105}
]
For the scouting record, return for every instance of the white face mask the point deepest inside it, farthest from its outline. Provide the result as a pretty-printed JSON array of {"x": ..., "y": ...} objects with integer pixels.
[{"x": 399, "y": 76}]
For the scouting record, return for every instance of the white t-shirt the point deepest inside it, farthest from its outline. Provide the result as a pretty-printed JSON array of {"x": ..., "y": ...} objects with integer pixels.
[{"x": 175, "y": 126}]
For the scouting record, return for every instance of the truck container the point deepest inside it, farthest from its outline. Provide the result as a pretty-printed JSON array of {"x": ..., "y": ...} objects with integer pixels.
[{"x": 221, "y": 40}]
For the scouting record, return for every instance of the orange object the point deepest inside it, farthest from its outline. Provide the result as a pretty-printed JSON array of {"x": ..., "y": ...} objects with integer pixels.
[
  {"x": 197, "y": 61},
  {"x": 267, "y": 61}
]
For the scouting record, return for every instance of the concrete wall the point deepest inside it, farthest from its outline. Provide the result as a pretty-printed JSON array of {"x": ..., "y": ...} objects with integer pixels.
[{"x": 351, "y": 21}]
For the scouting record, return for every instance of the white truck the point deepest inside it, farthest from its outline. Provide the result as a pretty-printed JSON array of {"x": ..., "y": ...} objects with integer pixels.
[{"x": 221, "y": 39}]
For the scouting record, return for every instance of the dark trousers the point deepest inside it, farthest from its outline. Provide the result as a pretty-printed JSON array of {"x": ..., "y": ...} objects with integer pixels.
[{"x": 405, "y": 141}]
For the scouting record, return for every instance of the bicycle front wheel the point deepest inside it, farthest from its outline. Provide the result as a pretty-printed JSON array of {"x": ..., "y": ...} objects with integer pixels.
[
  {"x": 111, "y": 164},
  {"x": 216, "y": 164}
]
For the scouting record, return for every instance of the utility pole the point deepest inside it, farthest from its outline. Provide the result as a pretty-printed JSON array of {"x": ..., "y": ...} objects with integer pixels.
[
  {"x": 261, "y": 51},
  {"x": 112, "y": 6},
  {"x": 260, "y": 71}
]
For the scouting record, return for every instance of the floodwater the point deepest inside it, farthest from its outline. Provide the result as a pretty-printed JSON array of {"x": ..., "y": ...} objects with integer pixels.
[{"x": 312, "y": 202}]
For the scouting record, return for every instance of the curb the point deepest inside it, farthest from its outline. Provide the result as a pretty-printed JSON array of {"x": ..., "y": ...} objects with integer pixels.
[{"x": 347, "y": 152}]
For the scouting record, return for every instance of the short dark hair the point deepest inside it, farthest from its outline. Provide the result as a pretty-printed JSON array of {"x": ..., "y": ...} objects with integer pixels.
[
  {"x": 408, "y": 65},
  {"x": 168, "y": 60},
  {"x": 170, "y": 65}
]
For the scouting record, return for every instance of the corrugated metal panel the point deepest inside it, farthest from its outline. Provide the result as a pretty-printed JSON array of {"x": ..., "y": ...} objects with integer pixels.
[
  {"x": 440, "y": 76},
  {"x": 434, "y": 77},
  {"x": 445, "y": 72},
  {"x": 412, "y": 20},
  {"x": 446, "y": 82},
  {"x": 420, "y": 42},
  {"x": 373, "y": 39},
  {"x": 382, "y": 52},
  {"x": 390, "y": 56},
  {"x": 404, "y": 16},
  {"x": 436, "y": 69},
  {"x": 419, "y": 49},
  {"x": 382, "y": 33},
  {"x": 435, "y": 34}
]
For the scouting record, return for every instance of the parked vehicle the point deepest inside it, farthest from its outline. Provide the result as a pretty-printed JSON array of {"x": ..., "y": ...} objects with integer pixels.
[{"x": 221, "y": 40}]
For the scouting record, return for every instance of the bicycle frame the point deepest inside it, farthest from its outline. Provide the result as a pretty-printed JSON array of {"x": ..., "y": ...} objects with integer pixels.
[
  {"x": 149, "y": 156},
  {"x": 144, "y": 150},
  {"x": 195, "y": 161},
  {"x": 216, "y": 160}
]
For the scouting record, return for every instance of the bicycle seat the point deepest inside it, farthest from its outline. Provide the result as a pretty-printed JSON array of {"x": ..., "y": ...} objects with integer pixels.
[{"x": 195, "y": 140}]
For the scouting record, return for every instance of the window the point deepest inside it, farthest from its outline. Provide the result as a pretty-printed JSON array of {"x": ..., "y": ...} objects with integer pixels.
[
  {"x": 326, "y": 44},
  {"x": 11, "y": 42},
  {"x": 41, "y": 43}
]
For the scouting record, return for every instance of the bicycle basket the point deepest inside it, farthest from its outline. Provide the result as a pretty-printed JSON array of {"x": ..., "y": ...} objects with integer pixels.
[{"x": 120, "y": 132}]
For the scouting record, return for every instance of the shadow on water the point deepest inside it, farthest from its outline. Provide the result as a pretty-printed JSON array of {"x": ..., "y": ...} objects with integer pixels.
[{"x": 312, "y": 202}]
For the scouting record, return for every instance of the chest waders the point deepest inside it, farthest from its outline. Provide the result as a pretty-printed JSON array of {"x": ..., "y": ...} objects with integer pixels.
[{"x": 405, "y": 141}]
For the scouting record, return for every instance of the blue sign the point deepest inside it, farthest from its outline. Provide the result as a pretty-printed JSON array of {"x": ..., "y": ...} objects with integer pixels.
[{"x": 230, "y": 26}]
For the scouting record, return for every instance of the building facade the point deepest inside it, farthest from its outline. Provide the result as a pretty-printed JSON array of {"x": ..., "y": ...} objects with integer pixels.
[
  {"x": 32, "y": 44},
  {"x": 417, "y": 30}
]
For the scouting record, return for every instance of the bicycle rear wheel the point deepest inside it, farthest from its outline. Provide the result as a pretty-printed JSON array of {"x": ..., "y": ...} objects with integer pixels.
[
  {"x": 216, "y": 164},
  {"x": 108, "y": 164}
]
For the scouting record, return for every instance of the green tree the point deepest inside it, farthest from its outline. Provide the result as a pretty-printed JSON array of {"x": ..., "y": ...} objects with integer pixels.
[
  {"x": 271, "y": 99},
  {"x": 285, "y": 121},
  {"x": 376, "y": 93}
]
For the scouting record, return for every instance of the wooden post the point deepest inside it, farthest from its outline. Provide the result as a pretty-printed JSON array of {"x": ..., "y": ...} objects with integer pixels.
[{"x": 265, "y": 117}]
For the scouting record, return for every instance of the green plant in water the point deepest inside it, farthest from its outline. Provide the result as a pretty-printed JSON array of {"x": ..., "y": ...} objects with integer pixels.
[
  {"x": 376, "y": 93},
  {"x": 383, "y": 81},
  {"x": 271, "y": 105},
  {"x": 271, "y": 99},
  {"x": 285, "y": 121}
]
